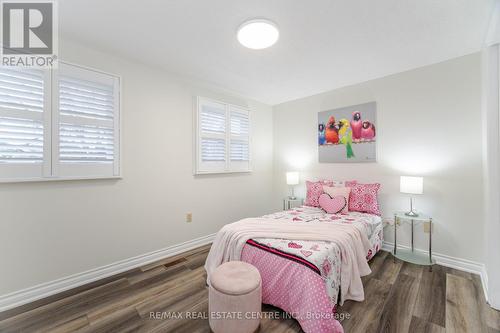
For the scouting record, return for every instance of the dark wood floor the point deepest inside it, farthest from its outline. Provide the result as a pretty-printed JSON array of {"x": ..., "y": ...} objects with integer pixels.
[{"x": 400, "y": 297}]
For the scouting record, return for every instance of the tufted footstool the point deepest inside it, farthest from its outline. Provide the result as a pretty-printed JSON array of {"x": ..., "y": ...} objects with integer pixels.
[{"x": 234, "y": 298}]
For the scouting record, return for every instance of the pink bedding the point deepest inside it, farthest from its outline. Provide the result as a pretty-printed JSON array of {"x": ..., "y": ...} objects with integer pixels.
[
  {"x": 297, "y": 289},
  {"x": 302, "y": 277},
  {"x": 294, "y": 288}
]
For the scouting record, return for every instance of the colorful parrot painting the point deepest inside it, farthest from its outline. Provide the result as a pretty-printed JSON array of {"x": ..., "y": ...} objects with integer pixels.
[
  {"x": 356, "y": 125},
  {"x": 332, "y": 131},
  {"x": 367, "y": 131},
  {"x": 345, "y": 135},
  {"x": 321, "y": 134}
]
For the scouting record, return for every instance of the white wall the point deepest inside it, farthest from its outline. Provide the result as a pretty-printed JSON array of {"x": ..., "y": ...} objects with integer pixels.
[
  {"x": 49, "y": 230},
  {"x": 491, "y": 153},
  {"x": 428, "y": 124},
  {"x": 491, "y": 75}
]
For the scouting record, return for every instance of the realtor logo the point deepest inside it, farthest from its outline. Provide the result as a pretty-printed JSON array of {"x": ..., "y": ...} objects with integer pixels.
[{"x": 28, "y": 33}]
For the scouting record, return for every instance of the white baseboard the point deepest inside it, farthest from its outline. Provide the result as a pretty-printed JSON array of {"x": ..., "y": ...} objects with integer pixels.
[
  {"x": 43, "y": 290},
  {"x": 452, "y": 262}
]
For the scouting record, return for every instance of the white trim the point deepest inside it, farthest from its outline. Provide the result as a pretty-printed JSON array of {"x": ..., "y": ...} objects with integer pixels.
[
  {"x": 452, "y": 262},
  {"x": 54, "y": 179},
  {"x": 55, "y": 117},
  {"x": 43, "y": 290},
  {"x": 47, "y": 124},
  {"x": 117, "y": 163}
]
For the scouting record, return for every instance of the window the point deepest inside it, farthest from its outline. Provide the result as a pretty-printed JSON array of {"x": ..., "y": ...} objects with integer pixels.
[
  {"x": 24, "y": 145},
  {"x": 87, "y": 124},
  {"x": 59, "y": 124},
  {"x": 222, "y": 137}
]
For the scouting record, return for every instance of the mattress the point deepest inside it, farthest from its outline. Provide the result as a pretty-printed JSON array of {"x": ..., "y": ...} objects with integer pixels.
[{"x": 303, "y": 277}]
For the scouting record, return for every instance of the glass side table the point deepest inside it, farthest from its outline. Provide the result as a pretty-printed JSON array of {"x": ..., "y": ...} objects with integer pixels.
[
  {"x": 410, "y": 255},
  {"x": 289, "y": 203}
]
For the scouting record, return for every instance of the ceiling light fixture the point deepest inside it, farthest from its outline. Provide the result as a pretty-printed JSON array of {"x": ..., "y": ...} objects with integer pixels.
[{"x": 258, "y": 34}]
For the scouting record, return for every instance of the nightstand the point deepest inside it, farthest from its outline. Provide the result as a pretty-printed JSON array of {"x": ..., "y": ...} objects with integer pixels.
[
  {"x": 289, "y": 203},
  {"x": 410, "y": 255}
]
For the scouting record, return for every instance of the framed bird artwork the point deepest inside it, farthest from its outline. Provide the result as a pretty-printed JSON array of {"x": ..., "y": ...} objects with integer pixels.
[{"x": 348, "y": 134}]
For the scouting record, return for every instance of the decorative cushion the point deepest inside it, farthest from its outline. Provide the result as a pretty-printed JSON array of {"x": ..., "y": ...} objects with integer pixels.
[
  {"x": 235, "y": 278},
  {"x": 363, "y": 198},
  {"x": 339, "y": 191},
  {"x": 314, "y": 190},
  {"x": 332, "y": 205}
]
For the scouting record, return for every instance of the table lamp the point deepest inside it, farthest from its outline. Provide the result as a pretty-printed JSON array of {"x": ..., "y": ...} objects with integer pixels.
[
  {"x": 292, "y": 179},
  {"x": 411, "y": 185}
]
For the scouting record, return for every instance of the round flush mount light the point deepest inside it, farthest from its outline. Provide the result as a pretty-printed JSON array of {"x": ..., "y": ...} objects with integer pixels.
[{"x": 258, "y": 34}]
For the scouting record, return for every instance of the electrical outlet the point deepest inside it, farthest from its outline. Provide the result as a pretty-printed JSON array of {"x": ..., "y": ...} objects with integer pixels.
[
  {"x": 427, "y": 227},
  {"x": 189, "y": 217}
]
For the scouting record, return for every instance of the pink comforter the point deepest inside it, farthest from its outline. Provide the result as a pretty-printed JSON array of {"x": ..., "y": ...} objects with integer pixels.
[
  {"x": 353, "y": 243},
  {"x": 294, "y": 288}
]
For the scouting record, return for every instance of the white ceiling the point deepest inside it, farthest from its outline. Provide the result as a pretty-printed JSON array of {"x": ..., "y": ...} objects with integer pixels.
[{"x": 324, "y": 44}]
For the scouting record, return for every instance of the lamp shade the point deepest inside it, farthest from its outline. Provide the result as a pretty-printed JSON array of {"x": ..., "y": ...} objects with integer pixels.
[
  {"x": 411, "y": 185},
  {"x": 292, "y": 178}
]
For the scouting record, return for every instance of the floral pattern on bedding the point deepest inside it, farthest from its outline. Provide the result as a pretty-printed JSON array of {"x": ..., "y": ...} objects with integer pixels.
[{"x": 325, "y": 255}]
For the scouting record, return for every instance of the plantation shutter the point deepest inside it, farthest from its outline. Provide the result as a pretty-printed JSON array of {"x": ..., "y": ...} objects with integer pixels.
[
  {"x": 211, "y": 136},
  {"x": 88, "y": 123},
  {"x": 24, "y": 116},
  {"x": 239, "y": 139},
  {"x": 58, "y": 124},
  {"x": 222, "y": 138}
]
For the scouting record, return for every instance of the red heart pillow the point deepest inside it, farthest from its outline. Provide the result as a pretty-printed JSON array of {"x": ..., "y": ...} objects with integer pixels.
[{"x": 332, "y": 205}]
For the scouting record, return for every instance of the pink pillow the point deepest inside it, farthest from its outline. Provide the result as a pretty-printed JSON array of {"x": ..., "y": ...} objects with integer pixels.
[
  {"x": 332, "y": 205},
  {"x": 363, "y": 198},
  {"x": 314, "y": 190},
  {"x": 350, "y": 183},
  {"x": 340, "y": 183},
  {"x": 338, "y": 191}
]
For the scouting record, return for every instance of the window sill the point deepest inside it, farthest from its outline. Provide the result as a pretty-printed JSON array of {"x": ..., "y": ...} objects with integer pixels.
[
  {"x": 55, "y": 179},
  {"x": 201, "y": 173}
]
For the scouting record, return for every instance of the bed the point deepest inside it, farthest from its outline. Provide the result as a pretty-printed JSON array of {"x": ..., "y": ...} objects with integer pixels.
[{"x": 302, "y": 277}]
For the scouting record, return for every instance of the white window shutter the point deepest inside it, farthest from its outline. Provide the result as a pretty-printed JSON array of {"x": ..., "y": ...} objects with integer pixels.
[
  {"x": 60, "y": 124},
  {"x": 213, "y": 118},
  {"x": 87, "y": 133},
  {"x": 239, "y": 151},
  {"x": 221, "y": 137},
  {"x": 213, "y": 150},
  {"x": 23, "y": 123},
  {"x": 239, "y": 139},
  {"x": 211, "y": 136},
  {"x": 21, "y": 140}
]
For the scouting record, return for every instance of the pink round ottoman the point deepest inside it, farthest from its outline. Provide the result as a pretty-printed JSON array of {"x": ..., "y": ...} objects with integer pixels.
[{"x": 235, "y": 298}]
